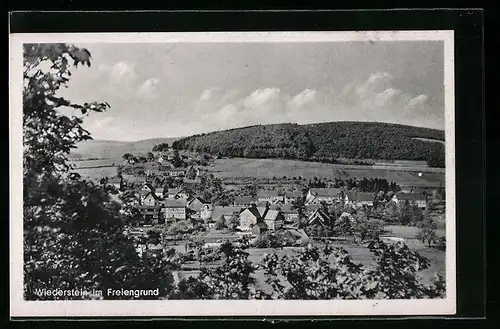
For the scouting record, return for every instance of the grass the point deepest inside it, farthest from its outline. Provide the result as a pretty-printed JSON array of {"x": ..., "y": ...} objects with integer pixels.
[{"x": 269, "y": 168}]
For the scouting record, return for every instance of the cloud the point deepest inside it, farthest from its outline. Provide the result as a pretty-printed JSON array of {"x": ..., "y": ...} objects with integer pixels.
[
  {"x": 149, "y": 89},
  {"x": 120, "y": 72},
  {"x": 376, "y": 98}
]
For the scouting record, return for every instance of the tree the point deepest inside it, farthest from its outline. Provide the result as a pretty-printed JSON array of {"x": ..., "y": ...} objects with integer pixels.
[
  {"x": 73, "y": 231},
  {"x": 150, "y": 157},
  {"x": 427, "y": 233},
  {"x": 233, "y": 222},
  {"x": 232, "y": 280},
  {"x": 330, "y": 273},
  {"x": 390, "y": 213},
  {"x": 220, "y": 224},
  {"x": 404, "y": 212}
]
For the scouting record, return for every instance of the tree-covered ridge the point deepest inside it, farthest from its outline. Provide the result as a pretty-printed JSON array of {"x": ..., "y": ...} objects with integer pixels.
[{"x": 324, "y": 142}]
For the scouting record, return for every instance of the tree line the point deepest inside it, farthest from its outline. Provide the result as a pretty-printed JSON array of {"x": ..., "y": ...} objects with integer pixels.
[{"x": 323, "y": 142}]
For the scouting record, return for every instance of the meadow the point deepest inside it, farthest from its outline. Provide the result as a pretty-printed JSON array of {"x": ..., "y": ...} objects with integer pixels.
[{"x": 269, "y": 168}]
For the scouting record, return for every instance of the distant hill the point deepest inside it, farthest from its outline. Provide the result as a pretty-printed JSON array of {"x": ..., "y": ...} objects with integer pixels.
[
  {"x": 108, "y": 149},
  {"x": 323, "y": 142}
]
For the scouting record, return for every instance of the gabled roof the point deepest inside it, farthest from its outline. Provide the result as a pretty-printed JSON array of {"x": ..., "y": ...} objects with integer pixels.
[
  {"x": 175, "y": 203},
  {"x": 148, "y": 193},
  {"x": 285, "y": 208},
  {"x": 312, "y": 207},
  {"x": 360, "y": 196},
  {"x": 174, "y": 191},
  {"x": 219, "y": 211},
  {"x": 243, "y": 200},
  {"x": 267, "y": 194},
  {"x": 410, "y": 196},
  {"x": 254, "y": 211},
  {"x": 262, "y": 204},
  {"x": 319, "y": 216},
  {"x": 272, "y": 215},
  {"x": 293, "y": 194},
  {"x": 149, "y": 186},
  {"x": 325, "y": 192}
]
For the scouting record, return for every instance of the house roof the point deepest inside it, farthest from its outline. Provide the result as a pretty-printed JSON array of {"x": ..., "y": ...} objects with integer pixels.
[
  {"x": 312, "y": 207},
  {"x": 175, "y": 190},
  {"x": 114, "y": 180},
  {"x": 243, "y": 200},
  {"x": 318, "y": 215},
  {"x": 360, "y": 196},
  {"x": 272, "y": 215},
  {"x": 159, "y": 190},
  {"x": 293, "y": 194},
  {"x": 254, "y": 211},
  {"x": 262, "y": 204},
  {"x": 285, "y": 208},
  {"x": 148, "y": 185},
  {"x": 175, "y": 203},
  {"x": 219, "y": 211},
  {"x": 145, "y": 207},
  {"x": 325, "y": 192},
  {"x": 148, "y": 193},
  {"x": 267, "y": 194},
  {"x": 410, "y": 196}
]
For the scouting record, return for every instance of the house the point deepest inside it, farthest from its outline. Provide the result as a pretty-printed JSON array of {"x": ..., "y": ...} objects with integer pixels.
[
  {"x": 147, "y": 187},
  {"x": 250, "y": 217},
  {"x": 418, "y": 199},
  {"x": 259, "y": 228},
  {"x": 174, "y": 209},
  {"x": 292, "y": 196},
  {"x": 359, "y": 199},
  {"x": 245, "y": 201},
  {"x": 206, "y": 212},
  {"x": 116, "y": 182},
  {"x": 318, "y": 217},
  {"x": 177, "y": 172},
  {"x": 197, "y": 204},
  {"x": 326, "y": 195},
  {"x": 149, "y": 199},
  {"x": 150, "y": 213},
  {"x": 273, "y": 219},
  {"x": 224, "y": 212},
  {"x": 310, "y": 208},
  {"x": 159, "y": 192},
  {"x": 177, "y": 193},
  {"x": 272, "y": 197},
  {"x": 290, "y": 214}
]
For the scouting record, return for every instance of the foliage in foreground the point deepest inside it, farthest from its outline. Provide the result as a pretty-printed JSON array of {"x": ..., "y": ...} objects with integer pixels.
[
  {"x": 327, "y": 273},
  {"x": 73, "y": 231}
]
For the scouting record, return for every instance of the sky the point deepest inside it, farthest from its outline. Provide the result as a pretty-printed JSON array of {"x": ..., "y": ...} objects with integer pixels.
[{"x": 174, "y": 90}]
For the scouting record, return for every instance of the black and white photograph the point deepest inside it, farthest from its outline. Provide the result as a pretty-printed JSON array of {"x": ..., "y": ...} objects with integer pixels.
[{"x": 235, "y": 173}]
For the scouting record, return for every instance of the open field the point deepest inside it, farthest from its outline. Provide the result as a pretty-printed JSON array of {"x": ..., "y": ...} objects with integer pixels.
[
  {"x": 269, "y": 168},
  {"x": 409, "y": 232}
]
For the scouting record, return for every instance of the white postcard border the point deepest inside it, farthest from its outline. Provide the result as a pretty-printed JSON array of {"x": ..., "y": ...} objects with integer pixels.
[{"x": 21, "y": 308}]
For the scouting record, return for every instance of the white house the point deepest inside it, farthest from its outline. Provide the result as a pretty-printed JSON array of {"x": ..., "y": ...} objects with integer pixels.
[
  {"x": 326, "y": 195},
  {"x": 175, "y": 209},
  {"x": 359, "y": 199},
  {"x": 272, "y": 197},
  {"x": 417, "y": 199}
]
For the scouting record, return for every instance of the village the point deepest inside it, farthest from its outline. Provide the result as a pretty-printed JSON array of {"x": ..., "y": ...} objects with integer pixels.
[{"x": 178, "y": 204}]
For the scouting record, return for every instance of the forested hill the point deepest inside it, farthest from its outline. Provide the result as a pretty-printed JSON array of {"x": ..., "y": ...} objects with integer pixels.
[{"x": 324, "y": 142}]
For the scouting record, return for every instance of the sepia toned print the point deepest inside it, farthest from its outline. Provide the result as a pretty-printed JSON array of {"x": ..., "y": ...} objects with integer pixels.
[{"x": 262, "y": 168}]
